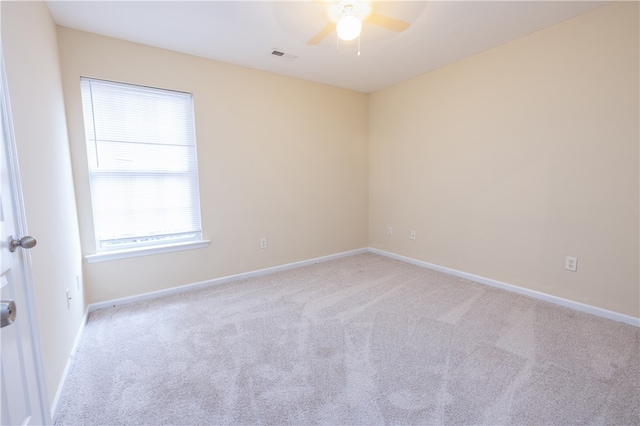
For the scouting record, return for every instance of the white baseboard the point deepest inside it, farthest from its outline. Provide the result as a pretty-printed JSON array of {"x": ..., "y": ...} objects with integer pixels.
[
  {"x": 63, "y": 379},
  {"x": 604, "y": 313},
  {"x": 222, "y": 280}
]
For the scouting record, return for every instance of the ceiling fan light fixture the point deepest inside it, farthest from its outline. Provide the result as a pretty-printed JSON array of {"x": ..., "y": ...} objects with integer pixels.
[{"x": 349, "y": 27}]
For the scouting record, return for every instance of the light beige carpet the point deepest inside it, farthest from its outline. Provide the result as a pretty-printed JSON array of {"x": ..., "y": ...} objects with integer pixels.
[{"x": 361, "y": 340}]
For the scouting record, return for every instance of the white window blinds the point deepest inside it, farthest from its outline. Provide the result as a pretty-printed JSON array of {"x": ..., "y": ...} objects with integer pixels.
[{"x": 143, "y": 171}]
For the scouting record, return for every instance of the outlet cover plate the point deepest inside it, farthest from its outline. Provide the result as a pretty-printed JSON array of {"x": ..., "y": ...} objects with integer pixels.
[{"x": 571, "y": 264}]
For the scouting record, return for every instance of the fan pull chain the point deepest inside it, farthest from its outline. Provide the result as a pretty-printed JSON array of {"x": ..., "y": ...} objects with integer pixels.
[{"x": 358, "y": 45}]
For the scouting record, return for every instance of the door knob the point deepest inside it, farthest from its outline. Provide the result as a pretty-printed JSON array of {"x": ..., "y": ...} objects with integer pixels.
[
  {"x": 24, "y": 242},
  {"x": 8, "y": 309}
]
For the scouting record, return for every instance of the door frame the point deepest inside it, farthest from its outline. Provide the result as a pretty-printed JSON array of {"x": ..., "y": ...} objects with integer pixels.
[{"x": 21, "y": 229}]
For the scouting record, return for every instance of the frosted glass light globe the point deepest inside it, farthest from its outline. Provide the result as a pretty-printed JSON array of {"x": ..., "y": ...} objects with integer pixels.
[{"x": 349, "y": 28}]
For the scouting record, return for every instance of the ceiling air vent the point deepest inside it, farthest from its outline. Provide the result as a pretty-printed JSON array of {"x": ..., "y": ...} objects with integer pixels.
[{"x": 281, "y": 54}]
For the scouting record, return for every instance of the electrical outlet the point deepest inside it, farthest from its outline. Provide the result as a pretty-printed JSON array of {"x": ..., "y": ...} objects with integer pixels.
[
  {"x": 571, "y": 264},
  {"x": 413, "y": 235},
  {"x": 390, "y": 231},
  {"x": 68, "y": 299},
  {"x": 263, "y": 243}
]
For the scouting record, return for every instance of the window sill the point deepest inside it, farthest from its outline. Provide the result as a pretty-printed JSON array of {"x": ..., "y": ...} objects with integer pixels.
[{"x": 145, "y": 251}]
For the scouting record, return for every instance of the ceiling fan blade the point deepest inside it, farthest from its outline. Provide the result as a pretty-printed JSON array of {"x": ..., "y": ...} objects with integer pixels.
[
  {"x": 388, "y": 23},
  {"x": 320, "y": 35}
]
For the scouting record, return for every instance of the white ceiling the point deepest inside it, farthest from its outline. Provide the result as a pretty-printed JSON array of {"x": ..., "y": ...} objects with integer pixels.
[{"x": 244, "y": 33}]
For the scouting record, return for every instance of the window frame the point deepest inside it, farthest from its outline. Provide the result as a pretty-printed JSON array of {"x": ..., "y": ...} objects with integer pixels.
[{"x": 163, "y": 242}]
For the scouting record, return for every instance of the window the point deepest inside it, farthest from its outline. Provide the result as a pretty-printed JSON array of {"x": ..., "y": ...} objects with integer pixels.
[{"x": 142, "y": 160}]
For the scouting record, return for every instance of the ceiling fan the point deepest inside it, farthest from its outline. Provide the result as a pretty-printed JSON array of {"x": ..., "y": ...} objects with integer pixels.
[{"x": 347, "y": 17}]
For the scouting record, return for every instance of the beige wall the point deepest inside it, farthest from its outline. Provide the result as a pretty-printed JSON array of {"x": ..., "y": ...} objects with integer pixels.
[
  {"x": 508, "y": 161},
  {"x": 33, "y": 75},
  {"x": 279, "y": 158}
]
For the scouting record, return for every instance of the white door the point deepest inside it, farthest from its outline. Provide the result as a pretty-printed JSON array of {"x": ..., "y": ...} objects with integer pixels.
[{"x": 23, "y": 391}]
